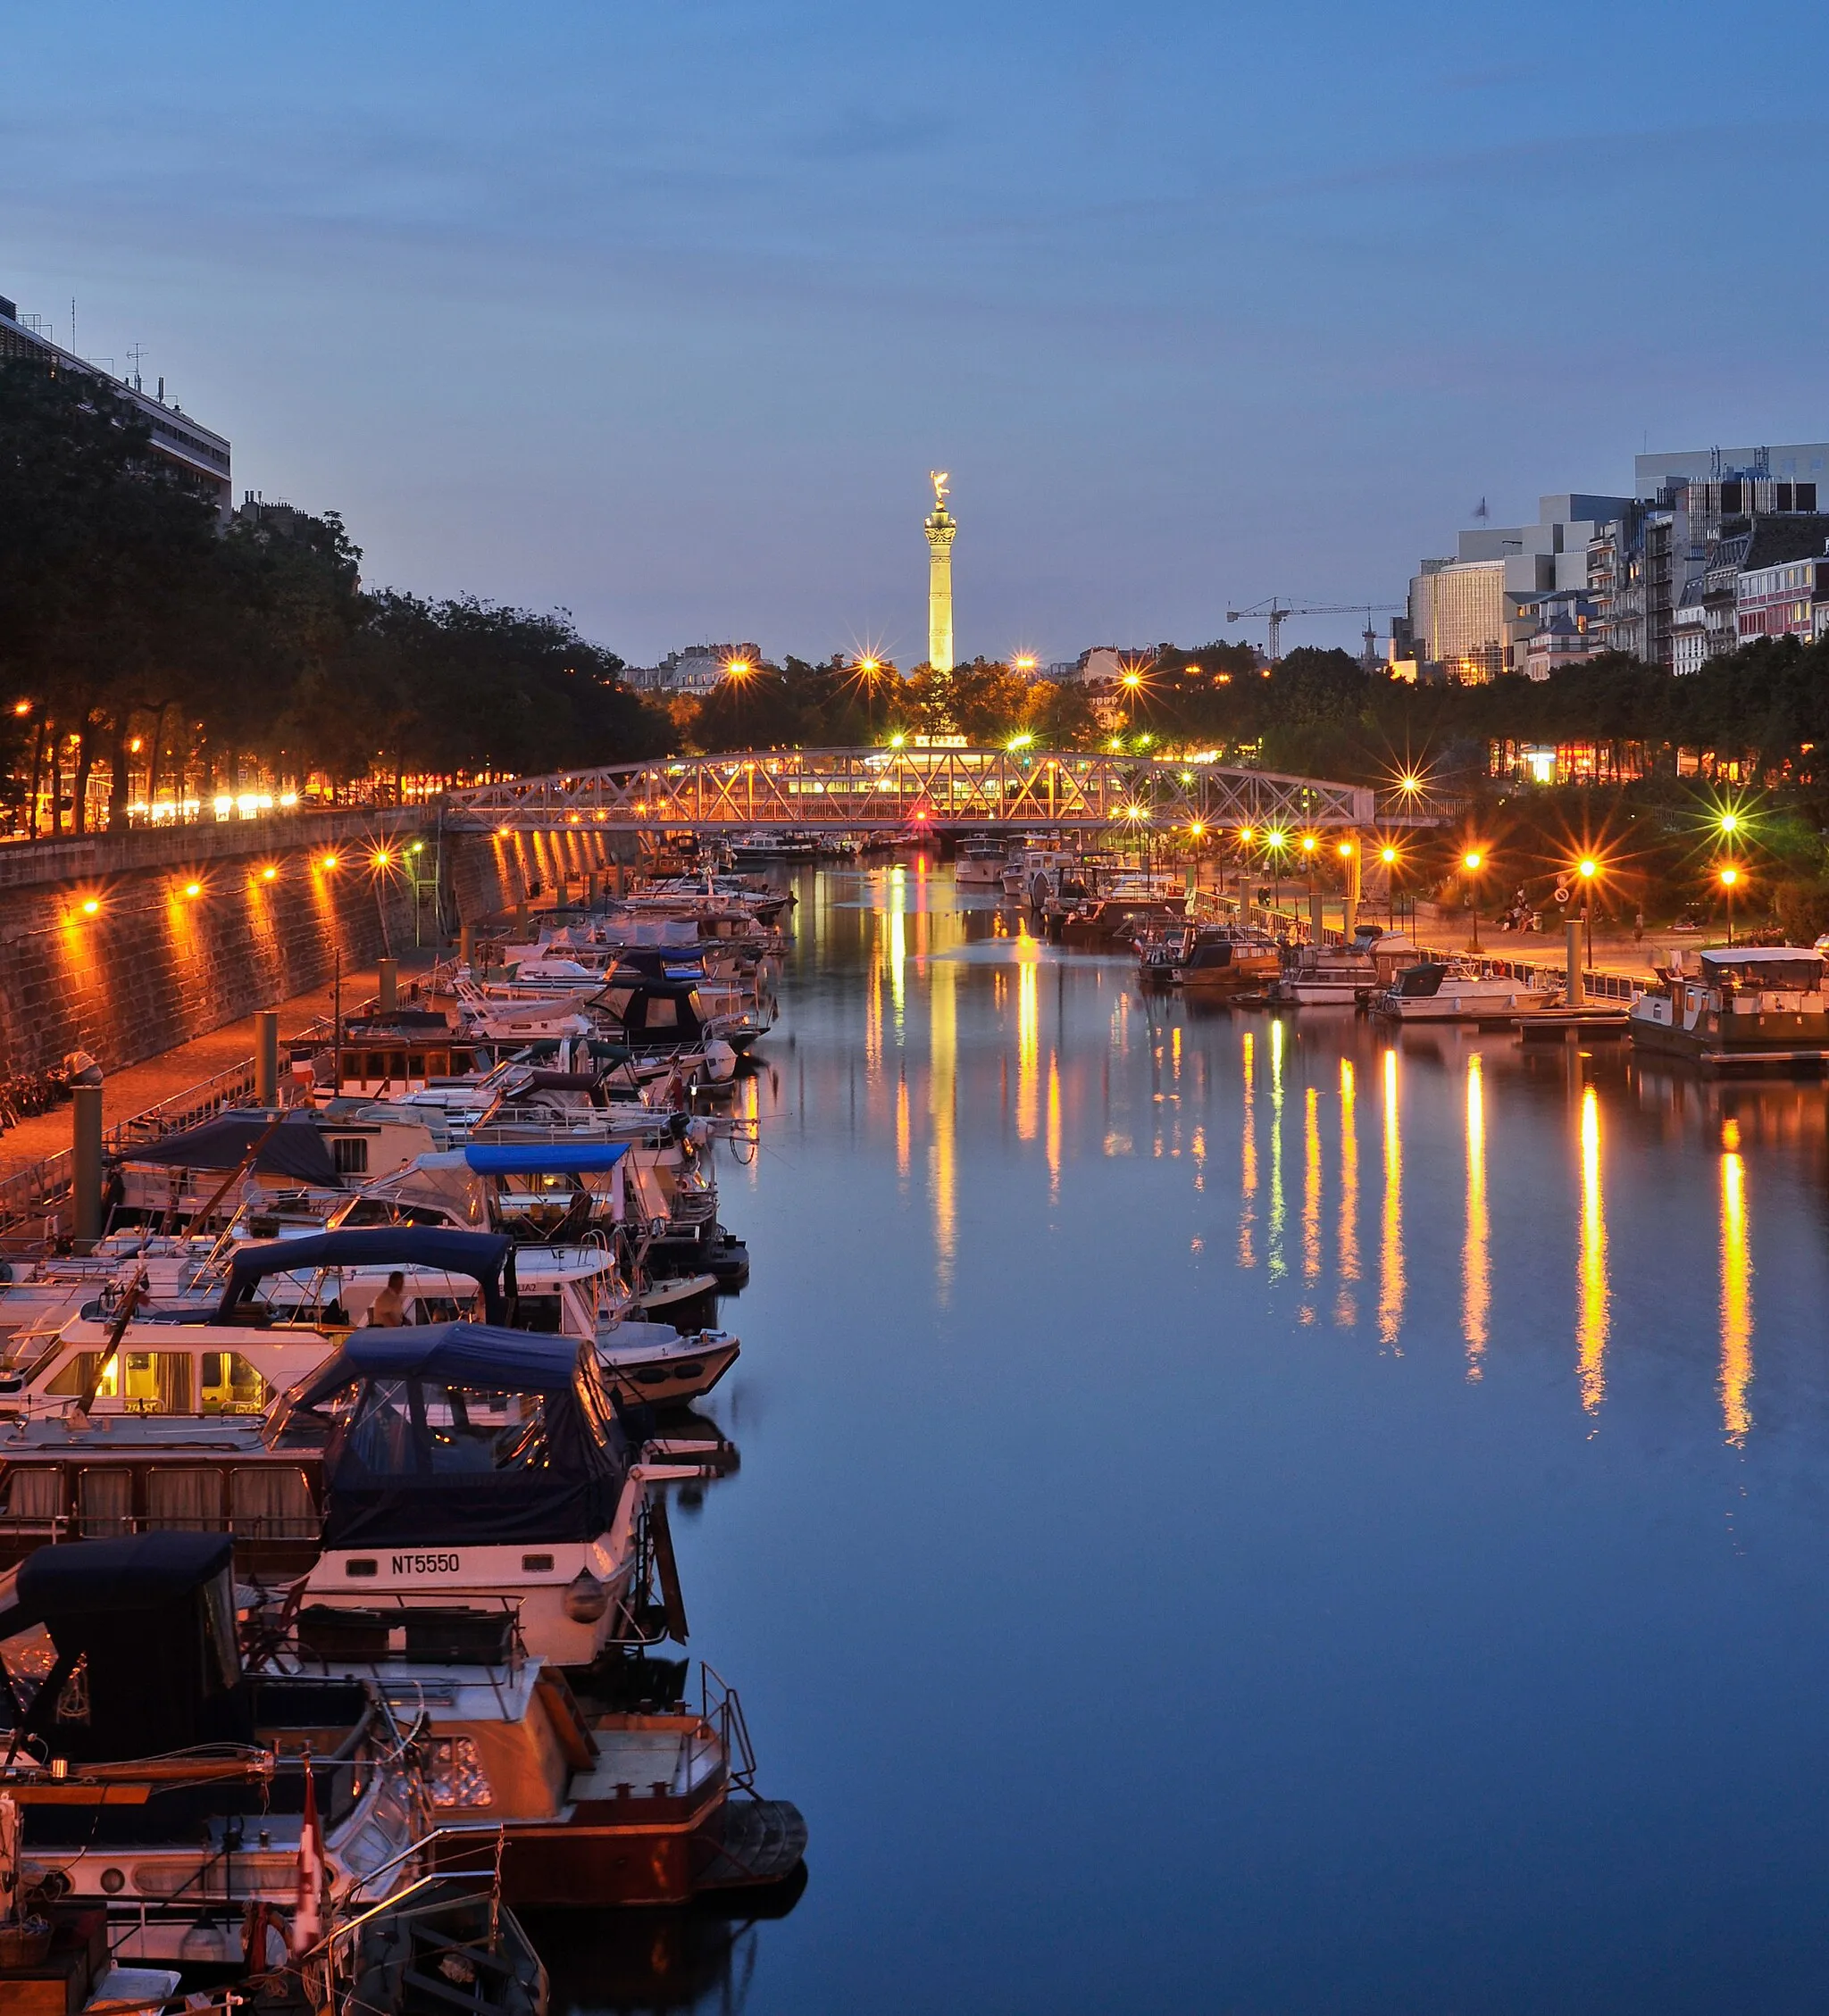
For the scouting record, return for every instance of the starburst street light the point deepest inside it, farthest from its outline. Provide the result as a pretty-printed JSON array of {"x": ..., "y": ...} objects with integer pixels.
[
  {"x": 1728, "y": 874},
  {"x": 1391, "y": 857},
  {"x": 1472, "y": 862}
]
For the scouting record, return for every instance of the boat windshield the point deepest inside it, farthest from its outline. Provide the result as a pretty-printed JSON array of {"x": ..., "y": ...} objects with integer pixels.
[{"x": 1420, "y": 982}]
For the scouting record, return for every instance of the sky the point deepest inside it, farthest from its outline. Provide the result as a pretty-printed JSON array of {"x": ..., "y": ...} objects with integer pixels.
[{"x": 662, "y": 314}]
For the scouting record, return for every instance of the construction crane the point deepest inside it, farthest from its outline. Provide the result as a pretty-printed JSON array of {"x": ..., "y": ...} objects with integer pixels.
[{"x": 1276, "y": 613}]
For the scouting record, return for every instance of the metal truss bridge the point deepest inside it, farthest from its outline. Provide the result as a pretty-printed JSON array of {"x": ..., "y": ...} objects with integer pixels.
[{"x": 942, "y": 789}]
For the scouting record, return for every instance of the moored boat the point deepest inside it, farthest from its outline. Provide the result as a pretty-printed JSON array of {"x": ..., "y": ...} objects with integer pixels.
[
  {"x": 1439, "y": 991},
  {"x": 1739, "y": 1008},
  {"x": 1225, "y": 963}
]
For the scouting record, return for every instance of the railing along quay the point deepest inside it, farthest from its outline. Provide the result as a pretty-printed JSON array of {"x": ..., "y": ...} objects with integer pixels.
[{"x": 42, "y": 1185}]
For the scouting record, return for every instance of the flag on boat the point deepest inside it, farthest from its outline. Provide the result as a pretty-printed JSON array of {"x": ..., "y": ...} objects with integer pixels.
[{"x": 308, "y": 1905}]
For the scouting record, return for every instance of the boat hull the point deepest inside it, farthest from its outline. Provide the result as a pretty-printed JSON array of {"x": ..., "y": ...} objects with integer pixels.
[{"x": 1781, "y": 1042}]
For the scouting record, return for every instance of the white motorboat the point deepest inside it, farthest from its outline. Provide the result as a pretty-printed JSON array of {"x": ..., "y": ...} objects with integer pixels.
[
  {"x": 1436, "y": 991},
  {"x": 978, "y": 864}
]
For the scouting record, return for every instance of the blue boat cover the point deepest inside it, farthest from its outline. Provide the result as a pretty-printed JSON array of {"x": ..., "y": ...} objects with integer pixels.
[
  {"x": 480, "y": 1254},
  {"x": 543, "y": 1158},
  {"x": 293, "y": 1149},
  {"x": 469, "y": 1354}
]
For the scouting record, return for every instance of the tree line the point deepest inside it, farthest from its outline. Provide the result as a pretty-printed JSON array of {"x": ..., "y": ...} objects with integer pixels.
[{"x": 142, "y": 639}]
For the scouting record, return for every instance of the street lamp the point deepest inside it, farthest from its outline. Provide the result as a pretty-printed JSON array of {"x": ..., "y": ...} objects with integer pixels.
[
  {"x": 1389, "y": 856},
  {"x": 1472, "y": 861},
  {"x": 1728, "y": 875},
  {"x": 1275, "y": 842},
  {"x": 1588, "y": 868}
]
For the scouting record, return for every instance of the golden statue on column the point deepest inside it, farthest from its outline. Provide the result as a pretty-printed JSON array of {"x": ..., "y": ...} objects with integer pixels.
[{"x": 939, "y": 528}]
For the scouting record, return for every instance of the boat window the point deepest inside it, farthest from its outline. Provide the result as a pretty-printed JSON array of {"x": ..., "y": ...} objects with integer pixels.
[
  {"x": 349, "y": 1153},
  {"x": 662, "y": 1011},
  {"x": 230, "y": 1384},
  {"x": 183, "y": 1500},
  {"x": 539, "y": 1312},
  {"x": 415, "y": 1064},
  {"x": 272, "y": 1501},
  {"x": 29, "y": 1659},
  {"x": 104, "y": 1501},
  {"x": 35, "y": 1495},
  {"x": 144, "y": 1382},
  {"x": 396, "y": 1064},
  {"x": 617, "y": 1001},
  {"x": 455, "y": 1776}
]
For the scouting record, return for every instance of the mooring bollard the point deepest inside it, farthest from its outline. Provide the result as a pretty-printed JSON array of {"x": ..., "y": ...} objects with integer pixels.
[
  {"x": 266, "y": 1057},
  {"x": 466, "y": 945},
  {"x": 86, "y": 1157}
]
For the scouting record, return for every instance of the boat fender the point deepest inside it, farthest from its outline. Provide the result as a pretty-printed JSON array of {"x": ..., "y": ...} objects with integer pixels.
[{"x": 586, "y": 1598}]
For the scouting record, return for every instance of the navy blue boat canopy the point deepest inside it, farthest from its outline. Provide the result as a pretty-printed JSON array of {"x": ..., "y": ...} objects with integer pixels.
[
  {"x": 543, "y": 1158},
  {"x": 482, "y": 1255},
  {"x": 462, "y": 1433},
  {"x": 466, "y": 1354},
  {"x": 294, "y": 1148},
  {"x": 145, "y": 1572}
]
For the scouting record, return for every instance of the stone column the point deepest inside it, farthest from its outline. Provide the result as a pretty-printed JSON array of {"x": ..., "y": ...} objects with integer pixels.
[
  {"x": 85, "y": 1158},
  {"x": 266, "y": 1057},
  {"x": 940, "y": 527}
]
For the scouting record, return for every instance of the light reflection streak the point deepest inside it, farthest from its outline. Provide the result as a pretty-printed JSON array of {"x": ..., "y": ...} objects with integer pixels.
[
  {"x": 873, "y": 1026},
  {"x": 1390, "y": 1262},
  {"x": 1276, "y": 1267},
  {"x": 1054, "y": 1129},
  {"x": 1311, "y": 1183},
  {"x": 1028, "y": 1043},
  {"x": 898, "y": 945},
  {"x": 1248, "y": 1170},
  {"x": 902, "y": 1131},
  {"x": 1476, "y": 1283},
  {"x": 1346, "y": 1306},
  {"x": 1593, "y": 1297},
  {"x": 942, "y": 1017},
  {"x": 1736, "y": 1302}
]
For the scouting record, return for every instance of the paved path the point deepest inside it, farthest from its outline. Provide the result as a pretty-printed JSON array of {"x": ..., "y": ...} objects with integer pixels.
[{"x": 133, "y": 1089}]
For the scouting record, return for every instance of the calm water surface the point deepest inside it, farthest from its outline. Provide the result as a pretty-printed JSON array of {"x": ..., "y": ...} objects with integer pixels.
[{"x": 1241, "y": 1513}]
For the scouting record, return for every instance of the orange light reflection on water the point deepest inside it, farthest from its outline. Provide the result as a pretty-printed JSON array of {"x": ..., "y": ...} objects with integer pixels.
[
  {"x": 1736, "y": 1302},
  {"x": 1390, "y": 1255},
  {"x": 1346, "y": 1306},
  {"x": 1593, "y": 1319},
  {"x": 1476, "y": 1281}
]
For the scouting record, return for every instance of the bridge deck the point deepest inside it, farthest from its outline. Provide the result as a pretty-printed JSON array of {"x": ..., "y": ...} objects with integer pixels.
[{"x": 950, "y": 790}]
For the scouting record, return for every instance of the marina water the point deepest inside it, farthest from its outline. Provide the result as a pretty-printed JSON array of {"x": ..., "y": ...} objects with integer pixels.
[{"x": 1242, "y": 1512}]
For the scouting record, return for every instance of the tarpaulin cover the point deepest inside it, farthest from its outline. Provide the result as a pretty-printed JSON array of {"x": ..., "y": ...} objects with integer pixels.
[
  {"x": 543, "y": 1158},
  {"x": 475, "y": 1354},
  {"x": 296, "y": 1148},
  {"x": 480, "y": 1254},
  {"x": 144, "y": 1572},
  {"x": 414, "y": 1460}
]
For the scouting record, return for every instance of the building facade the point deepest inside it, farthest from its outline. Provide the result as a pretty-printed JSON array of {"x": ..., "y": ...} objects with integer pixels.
[
  {"x": 197, "y": 454},
  {"x": 696, "y": 671}
]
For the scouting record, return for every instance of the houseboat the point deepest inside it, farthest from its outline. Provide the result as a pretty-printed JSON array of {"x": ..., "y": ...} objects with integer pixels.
[
  {"x": 978, "y": 864},
  {"x": 1738, "y": 1008}
]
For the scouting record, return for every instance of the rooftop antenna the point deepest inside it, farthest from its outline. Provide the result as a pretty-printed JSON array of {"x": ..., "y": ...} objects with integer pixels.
[
  {"x": 1480, "y": 510},
  {"x": 135, "y": 352},
  {"x": 72, "y": 325}
]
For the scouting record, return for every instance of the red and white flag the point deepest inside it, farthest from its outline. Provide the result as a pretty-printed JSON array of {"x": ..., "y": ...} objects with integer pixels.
[{"x": 308, "y": 1905}]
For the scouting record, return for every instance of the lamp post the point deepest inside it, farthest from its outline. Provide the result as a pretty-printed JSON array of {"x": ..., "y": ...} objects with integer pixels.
[
  {"x": 1275, "y": 842},
  {"x": 1389, "y": 856},
  {"x": 1588, "y": 868},
  {"x": 1472, "y": 861},
  {"x": 1728, "y": 874}
]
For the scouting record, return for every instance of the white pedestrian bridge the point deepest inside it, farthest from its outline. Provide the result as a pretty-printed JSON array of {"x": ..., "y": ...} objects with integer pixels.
[{"x": 948, "y": 790}]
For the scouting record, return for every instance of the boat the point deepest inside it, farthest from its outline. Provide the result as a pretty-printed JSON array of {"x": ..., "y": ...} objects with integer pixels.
[
  {"x": 167, "y": 1788},
  {"x": 1738, "y": 1008},
  {"x": 1338, "y": 976},
  {"x": 445, "y": 1943},
  {"x": 978, "y": 864},
  {"x": 579, "y": 1799},
  {"x": 1224, "y": 963},
  {"x": 1445, "y": 991},
  {"x": 472, "y": 1468}
]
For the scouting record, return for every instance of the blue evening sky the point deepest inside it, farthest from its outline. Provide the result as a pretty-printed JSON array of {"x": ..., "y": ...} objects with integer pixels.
[{"x": 663, "y": 314}]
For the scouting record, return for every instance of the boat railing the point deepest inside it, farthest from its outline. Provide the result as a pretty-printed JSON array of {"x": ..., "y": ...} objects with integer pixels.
[{"x": 720, "y": 1707}]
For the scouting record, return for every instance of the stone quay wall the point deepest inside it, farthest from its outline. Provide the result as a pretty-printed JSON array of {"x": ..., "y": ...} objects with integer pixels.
[{"x": 151, "y": 966}]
